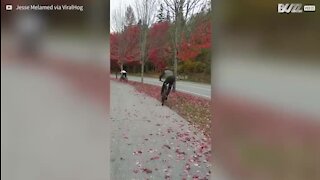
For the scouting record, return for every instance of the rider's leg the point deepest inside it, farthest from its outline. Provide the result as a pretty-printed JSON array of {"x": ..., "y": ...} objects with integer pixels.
[
  {"x": 169, "y": 88},
  {"x": 162, "y": 89},
  {"x": 170, "y": 80}
]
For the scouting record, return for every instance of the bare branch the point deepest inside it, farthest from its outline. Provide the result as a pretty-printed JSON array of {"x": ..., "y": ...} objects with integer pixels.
[
  {"x": 191, "y": 5},
  {"x": 118, "y": 19},
  {"x": 186, "y": 7},
  {"x": 170, "y": 5},
  {"x": 146, "y": 11}
]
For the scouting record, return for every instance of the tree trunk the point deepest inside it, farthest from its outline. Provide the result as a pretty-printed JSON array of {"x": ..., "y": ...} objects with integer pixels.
[
  {"x": 176, "y": 42},
  {"x": 143, "y": 50},
  {"x": 142, "y": 71},
  {"x": 121, "y": 66},
  {"x": 177, "y": 37},
  {"x": 175, "y": 63}
]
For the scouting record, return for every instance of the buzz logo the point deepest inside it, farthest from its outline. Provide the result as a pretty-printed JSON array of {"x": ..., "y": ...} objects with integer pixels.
[{"x": 289, "y": 8}]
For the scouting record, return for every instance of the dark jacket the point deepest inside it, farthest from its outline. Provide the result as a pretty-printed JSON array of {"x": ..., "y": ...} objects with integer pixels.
[{"x": 168, "y": 76}]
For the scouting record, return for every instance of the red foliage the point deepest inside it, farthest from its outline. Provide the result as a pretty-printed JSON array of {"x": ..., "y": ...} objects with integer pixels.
[
  {"x": 146, "y": 170},
  {"x": 154, "y": 158},
  {"x": 159, "y": 44},
  {"x": 125, "y": 46},
  {"x": 199, "y": 39}
]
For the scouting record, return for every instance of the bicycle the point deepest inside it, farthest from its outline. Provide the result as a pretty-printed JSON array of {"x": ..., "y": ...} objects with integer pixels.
[
  {"x": 164, "y": 93},
  {"x": 123, "y": 78}
]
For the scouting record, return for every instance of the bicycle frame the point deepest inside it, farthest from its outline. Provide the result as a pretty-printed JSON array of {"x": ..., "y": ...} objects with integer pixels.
[{"x": 164, "y": 93}]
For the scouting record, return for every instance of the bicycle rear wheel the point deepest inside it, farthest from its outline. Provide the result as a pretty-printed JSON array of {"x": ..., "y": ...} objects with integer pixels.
[
  {"x": 163, "y": 95},
  {"x": 162, "y": 100}
]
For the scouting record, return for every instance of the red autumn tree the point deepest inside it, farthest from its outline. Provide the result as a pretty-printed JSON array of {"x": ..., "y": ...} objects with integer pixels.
[
  {"x": 199, "y": 39},
  {"x": 124, "y": 46},
  {"x": 124, "y": 41},
  {"x": 159, "y": 51},
  {"x": 114, "y": 51}
]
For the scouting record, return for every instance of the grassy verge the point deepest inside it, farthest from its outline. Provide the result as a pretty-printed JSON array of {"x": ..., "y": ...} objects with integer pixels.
[{"x": 199, "y": 77}]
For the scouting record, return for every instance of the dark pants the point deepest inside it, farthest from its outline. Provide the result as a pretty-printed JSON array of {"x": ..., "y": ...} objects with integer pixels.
[
  {"x": 124, "y": 75},
  {"x": 169, "y": 81}
]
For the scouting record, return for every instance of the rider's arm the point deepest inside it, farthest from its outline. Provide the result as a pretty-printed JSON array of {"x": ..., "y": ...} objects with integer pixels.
[{"x": 161, "y": 76}]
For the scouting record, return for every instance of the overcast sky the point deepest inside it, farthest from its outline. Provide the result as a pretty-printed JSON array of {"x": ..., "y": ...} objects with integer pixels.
[{"x": 115, "y": 4}]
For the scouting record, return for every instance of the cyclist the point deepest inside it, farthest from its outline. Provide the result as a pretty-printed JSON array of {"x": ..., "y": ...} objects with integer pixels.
[
  {"x": 123, "y": 74},
  {"x": 170, "y": 79}
]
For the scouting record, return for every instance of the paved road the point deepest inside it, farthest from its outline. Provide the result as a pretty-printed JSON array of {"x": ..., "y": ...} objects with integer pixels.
[
  {"x": 48, "y": 131},
  {"x": 203, "y": 90},
  {"x": 150, "y": 141}
]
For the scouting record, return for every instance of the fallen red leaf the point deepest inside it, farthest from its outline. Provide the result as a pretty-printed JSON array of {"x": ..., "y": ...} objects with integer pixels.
[
  {"x": 154, "y": 158},
  {"x": 135, "y": 171},
  {"x": 148, "y": 171}
]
